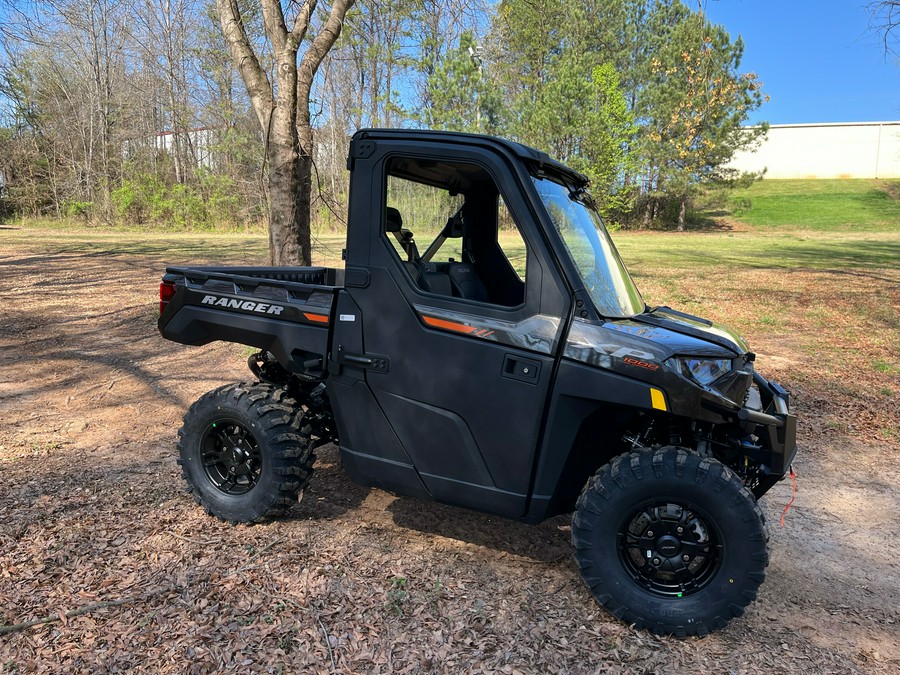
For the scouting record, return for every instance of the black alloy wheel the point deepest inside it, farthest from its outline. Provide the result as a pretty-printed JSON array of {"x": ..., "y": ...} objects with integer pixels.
[
  {"x": 670, "y": 541},
  {"x": 231, "y": 457},
  {"x": 245, "y": 451},
  {"x": 669, "y": 549}
]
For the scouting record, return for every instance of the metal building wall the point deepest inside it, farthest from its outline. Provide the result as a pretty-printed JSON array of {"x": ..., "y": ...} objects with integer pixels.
[{"x": 844, "y": 150}]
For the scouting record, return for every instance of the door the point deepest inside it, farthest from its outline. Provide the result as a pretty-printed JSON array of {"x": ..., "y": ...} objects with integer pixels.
[{"x": 461, "y": 316}]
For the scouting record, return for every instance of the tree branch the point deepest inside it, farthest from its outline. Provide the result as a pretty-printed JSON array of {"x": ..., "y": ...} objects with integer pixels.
[
  {"x": 273, "y": 17},
  {"x": 326, "y": 38},
  {"x": 884, "y": 18},
  {"x": 87, "y": 609},
  {"x": 303, "y": 20},
  {"x": 255, "y": 79}
]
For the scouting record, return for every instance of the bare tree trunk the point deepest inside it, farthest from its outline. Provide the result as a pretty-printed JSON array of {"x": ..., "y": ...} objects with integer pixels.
[
  {"x": 681, "y": 211},
  {"x": 283, "y": 113},
  {"x": 286, "y": 208}
]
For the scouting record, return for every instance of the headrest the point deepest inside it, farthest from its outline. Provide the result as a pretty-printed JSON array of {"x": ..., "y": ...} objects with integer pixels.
[{"x": 393, "y": 221}]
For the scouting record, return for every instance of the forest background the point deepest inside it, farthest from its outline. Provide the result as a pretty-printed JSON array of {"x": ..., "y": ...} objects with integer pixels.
[{"x": 131, "y": 112}]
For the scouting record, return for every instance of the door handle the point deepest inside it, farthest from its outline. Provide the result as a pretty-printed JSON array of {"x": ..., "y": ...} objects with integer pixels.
[
  {"x": 524, "y": 370},
  {"x": 377, "y": 362}
]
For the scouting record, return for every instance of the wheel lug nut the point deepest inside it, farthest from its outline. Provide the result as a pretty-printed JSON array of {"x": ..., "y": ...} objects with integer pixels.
[
  {"x": 679, "y": 530},
  {"x": 649, "y": 533},
  {"x": 656, "y": 561},
  {"x": 685, "y": 557}
]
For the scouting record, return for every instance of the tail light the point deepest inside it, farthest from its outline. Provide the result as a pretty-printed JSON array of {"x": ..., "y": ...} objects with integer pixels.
[{"x": 166, "y": 293}]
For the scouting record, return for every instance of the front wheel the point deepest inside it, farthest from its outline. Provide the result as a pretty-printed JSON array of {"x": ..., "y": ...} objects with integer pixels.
[
  {"x": 245, "y": 451},
  {"x": 670, "y": 541}
]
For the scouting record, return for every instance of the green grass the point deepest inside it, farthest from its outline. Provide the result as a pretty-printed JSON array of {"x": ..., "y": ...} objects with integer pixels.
[
  {"x": 822, "y": 288},
  {"x": 855, "y": 205},
  {"x": 841, "y": 251},
  {"x": 69, "y": 223},
  {"x": 644, "y": 252},
  {"x": 174, "y": 248}
]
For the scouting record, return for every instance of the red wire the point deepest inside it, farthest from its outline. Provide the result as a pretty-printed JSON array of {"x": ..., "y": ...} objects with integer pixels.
[{"x": 793, "y": 494}]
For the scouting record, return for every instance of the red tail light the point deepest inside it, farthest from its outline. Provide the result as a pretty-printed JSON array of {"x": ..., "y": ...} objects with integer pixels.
[{"x": 166, "y": 293}]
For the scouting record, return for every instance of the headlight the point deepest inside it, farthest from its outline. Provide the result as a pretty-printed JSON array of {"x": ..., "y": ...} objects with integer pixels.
[{"x": 702, "y": 371}]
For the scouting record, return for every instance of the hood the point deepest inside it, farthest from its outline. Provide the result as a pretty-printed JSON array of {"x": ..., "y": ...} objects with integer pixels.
[
  {"x": 688, "y": 326},
  {"x": 612, "y": 341},
  {"x": 664, "y": 342}
]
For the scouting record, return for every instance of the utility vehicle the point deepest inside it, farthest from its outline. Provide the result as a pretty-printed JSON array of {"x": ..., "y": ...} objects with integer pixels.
[{"x": 485, "y": 346}]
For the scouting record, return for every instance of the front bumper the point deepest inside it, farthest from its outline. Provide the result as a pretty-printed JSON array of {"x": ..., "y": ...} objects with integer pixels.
[{"x": 776, "y": 427}]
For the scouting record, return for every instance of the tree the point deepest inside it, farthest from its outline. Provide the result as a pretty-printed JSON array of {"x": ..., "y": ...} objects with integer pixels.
[
  {"x": 461, "y": 98},
  {"x": 282, "y": 109},
  {"x": 609, "y": 130},
  {"x": 438, "y": 26},
  {"x": 237, "y": 155},
  {"x": 695, "y": 106},
  {"x": 165, "y": 29},
  {"x": 530, "y": 33},
  {"x": 663, "y": 68},
  {"x": 66, "y": 68},
  {"x": 380, "y": 47},
  {"x": 380, "y": 73},
  {"x": 555, "y": 61},
  {"x": 580, "y": 116},
  {"x": 884, "y": 18}
]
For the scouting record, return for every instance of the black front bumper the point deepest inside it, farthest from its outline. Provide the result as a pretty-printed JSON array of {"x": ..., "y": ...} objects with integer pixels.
[{"x": 776, "y": 427}]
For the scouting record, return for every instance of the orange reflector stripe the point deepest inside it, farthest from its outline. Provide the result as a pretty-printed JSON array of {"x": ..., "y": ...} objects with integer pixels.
[
  {"x": 448, "y": 325},
  {"x": 318, "y": 318}
]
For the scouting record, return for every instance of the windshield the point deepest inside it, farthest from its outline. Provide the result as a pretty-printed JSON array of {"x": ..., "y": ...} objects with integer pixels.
[{"x": 598, "y": 263}]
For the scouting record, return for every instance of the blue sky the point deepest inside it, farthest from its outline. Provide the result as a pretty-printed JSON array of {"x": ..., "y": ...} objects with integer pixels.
[{"x": 818, "y": 60}]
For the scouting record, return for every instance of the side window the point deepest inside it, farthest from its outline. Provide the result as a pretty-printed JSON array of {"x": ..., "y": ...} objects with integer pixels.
[
  {"x": 452, "y": 232},
  {"x": 423, "y": 213},
  {"x": 511, "y": 241}
]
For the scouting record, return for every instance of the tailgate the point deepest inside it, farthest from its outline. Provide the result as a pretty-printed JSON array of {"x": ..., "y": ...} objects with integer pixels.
[{"x": 281, "y": 315}]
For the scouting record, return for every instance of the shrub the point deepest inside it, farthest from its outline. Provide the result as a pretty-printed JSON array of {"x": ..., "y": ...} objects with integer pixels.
[
  {"x": 211, "y": 201},
  {"x": 78, "y": 209}
]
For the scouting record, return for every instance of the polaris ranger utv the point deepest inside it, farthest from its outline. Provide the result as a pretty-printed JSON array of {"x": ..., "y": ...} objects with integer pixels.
[{"x": 486, "y": 347}]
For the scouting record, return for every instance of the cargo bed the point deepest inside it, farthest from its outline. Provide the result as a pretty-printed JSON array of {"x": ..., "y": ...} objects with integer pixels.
[{"x": 283, "y": 310}]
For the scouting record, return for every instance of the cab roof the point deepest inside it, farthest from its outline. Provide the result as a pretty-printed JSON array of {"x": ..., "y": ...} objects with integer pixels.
[{"x": 533, "y": 158}]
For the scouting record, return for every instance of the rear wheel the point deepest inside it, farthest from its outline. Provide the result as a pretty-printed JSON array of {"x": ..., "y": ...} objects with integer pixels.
[
  {"x": 245, "y": 451},
  {"x": 670, "y": 541}
]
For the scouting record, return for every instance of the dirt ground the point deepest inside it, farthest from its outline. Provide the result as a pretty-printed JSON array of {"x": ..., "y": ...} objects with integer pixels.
[{"x": 99, "y": 538}]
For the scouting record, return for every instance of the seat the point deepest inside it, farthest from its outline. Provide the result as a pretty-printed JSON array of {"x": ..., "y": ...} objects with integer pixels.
[
  {"x": 393, "y": 223},
  {"x": 465, "y": 282},
  {"x": 425, "y": 275},
  {"x": 433, "y": 281}
]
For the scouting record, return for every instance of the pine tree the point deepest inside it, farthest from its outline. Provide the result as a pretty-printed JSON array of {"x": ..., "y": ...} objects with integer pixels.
[
  {"x": 664, "y": 68},
  {"x": 462, "y": 99},
  {"x": 694, "y": 105}
]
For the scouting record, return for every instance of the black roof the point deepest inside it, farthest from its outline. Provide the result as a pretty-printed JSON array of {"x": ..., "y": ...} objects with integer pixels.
[{"x": 524, "y": 152}]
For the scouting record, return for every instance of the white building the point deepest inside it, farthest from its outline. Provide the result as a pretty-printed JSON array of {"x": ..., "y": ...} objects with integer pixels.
[
  {"x": 197, "y": 146},
  {"x": 841, "y": 150}
]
